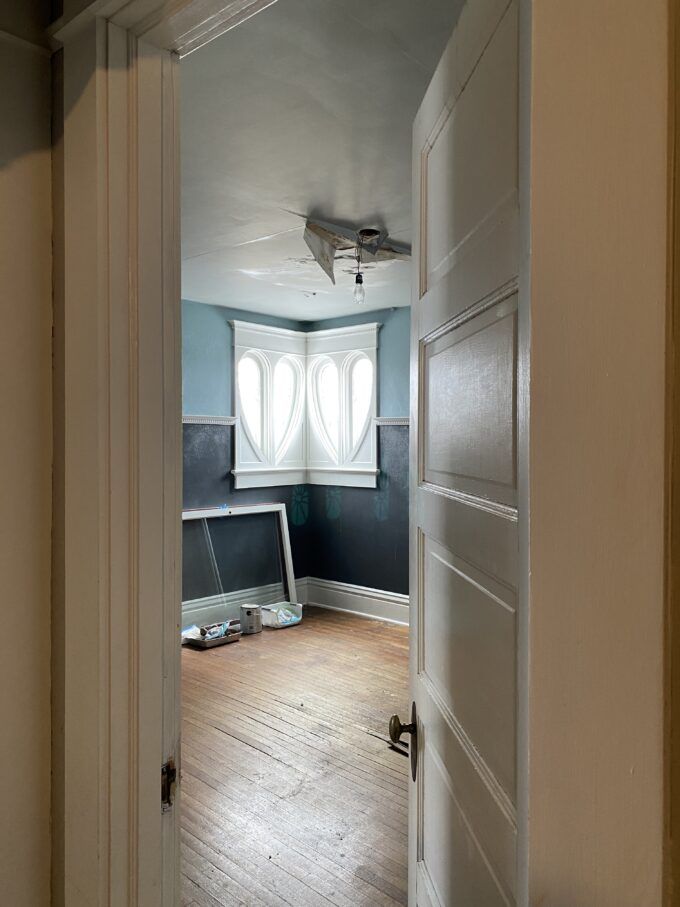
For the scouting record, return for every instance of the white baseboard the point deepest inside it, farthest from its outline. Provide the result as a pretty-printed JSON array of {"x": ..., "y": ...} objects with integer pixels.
[
  {"x": 215, "y": 608},
  {"x": 335, "y": 596},
  {"x": 360, "y": 600}
]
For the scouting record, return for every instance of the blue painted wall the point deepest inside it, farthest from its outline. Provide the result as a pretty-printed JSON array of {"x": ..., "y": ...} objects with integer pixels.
[
  {"x": 207, "y": 352},
  {"x": 351, "y": 535}
]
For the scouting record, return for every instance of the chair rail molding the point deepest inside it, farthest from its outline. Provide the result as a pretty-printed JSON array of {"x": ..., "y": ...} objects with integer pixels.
[{"x": 209, "y": 420}]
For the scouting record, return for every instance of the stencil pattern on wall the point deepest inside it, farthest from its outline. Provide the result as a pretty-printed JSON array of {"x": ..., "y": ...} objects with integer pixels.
[{"x": 299, "y": 511}]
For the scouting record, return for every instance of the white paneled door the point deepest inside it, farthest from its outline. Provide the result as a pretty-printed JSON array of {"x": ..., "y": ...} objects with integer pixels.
[{"x": 464, "y": 535}]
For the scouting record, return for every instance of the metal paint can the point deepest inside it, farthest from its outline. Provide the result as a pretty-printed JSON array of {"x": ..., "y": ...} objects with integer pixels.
[{"x": 251, "y": 619}]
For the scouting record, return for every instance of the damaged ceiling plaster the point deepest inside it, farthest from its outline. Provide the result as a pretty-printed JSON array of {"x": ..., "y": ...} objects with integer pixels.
[{"x": 303, "y": 112}]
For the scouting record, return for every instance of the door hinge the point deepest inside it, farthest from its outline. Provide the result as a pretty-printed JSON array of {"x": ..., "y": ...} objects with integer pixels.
[{"x": 168, "y": 784}]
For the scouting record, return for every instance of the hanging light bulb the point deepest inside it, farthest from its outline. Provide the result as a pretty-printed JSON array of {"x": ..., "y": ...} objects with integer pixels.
[
  {"x": 359, "y": 292},
  {"x": 366, "y": 235}
]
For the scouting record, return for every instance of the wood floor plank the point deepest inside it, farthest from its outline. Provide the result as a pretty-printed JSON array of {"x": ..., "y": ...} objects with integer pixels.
[{"x": 289, "y": 796}]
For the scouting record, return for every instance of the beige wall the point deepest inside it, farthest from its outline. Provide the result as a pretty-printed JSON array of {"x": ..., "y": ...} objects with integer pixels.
[
  {"x": 598, "y": 296},
  {"x": 25, "y": 466}
]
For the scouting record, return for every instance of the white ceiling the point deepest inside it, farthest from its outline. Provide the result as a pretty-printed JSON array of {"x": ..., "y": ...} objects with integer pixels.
[{"x": 305, "y": 110}]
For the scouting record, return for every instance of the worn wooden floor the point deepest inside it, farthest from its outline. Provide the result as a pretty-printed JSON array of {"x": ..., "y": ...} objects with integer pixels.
[{"x": 287, "y": 798}]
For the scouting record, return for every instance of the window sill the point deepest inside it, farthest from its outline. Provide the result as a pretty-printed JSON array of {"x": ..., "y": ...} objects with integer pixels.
[
  {"x": 350, "y": 478},
  {"x": 271, "y": 477}
]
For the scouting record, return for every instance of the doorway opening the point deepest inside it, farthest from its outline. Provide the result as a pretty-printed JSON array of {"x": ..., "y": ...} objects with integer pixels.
[{"x": 296, "y": 291}]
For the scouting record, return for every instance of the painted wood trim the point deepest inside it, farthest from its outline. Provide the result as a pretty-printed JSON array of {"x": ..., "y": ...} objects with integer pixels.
[
  {"x": 245, "y": 510},
  {"x": 209, "y": 420},
  {"x": 207, "y": 513},
  {"x": 345, "y": 339},
  {"x": 363, "y": 601},
  {"x": 123, "y": 451},
  {"x": 250, "y": 333},
  {"x": 375, "y": 604},
  {"x": 182, "y": 26},
  {"x": 214, "y": 608},
  {"x": 343, "y": 478},
  {"x": 173, "y": 459},
  {"x": 268, "y": 478},
  {"x": 258, "y": 464},
  {"x": 189, "y": 26}
]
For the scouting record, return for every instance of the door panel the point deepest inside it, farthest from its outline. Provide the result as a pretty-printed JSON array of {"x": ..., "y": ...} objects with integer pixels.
[
  {"x": 455, "y": 868},
  {"x": 464, "y": 540},
  {"x": 468, "y": 411},
  {"x": 469, "y": 656},
  {"x": 467, "y": 161}
]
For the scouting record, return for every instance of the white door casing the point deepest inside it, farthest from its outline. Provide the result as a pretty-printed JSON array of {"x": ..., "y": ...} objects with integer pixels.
[
  {"x": 463, "y": 826},
  {"x": 122, "y": 467}
]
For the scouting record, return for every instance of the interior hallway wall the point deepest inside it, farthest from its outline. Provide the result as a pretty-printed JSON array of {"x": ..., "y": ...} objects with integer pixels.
[
  {"x": 599, "y": 139},
  {"x": 25, "y": 455}
]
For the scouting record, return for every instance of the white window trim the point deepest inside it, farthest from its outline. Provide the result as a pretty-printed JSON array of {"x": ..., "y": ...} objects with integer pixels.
[{"x": 305, "y": 459}]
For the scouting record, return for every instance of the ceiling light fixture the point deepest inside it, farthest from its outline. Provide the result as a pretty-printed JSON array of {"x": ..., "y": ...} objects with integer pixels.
[
  {"x": 359, "y": 292},
  {"x": 365, "y": 236}
]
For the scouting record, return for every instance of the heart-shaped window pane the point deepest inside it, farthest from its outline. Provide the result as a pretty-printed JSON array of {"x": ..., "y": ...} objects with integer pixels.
[
  {"x": 328, "y": 393},
  {"x": 250, "y": 392},
  {"x": 362, "y": 393},
  {"x": 285, "y": 400}
]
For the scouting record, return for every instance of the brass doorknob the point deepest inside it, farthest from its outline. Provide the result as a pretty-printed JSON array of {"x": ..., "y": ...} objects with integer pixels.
[{"x": 397, "y": 729}]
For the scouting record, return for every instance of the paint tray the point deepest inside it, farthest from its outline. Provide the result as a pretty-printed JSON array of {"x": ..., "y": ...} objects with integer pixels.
[
  {"x": 211, "y": 643},
  {"x": 281, "y": 615},
  {"x": 193, "y": 636}
]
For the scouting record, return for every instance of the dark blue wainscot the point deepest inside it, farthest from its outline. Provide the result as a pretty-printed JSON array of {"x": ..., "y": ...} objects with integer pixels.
[{"x": 347, "y": 535}]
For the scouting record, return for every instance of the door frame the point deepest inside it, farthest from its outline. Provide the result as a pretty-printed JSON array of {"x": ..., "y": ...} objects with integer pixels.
[
  {"x": 121, "y": 525},
  {"x": 117, "y": 226}
]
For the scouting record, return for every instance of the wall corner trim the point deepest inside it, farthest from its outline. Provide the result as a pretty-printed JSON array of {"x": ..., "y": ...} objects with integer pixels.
[{"x": 378, "y": 604}]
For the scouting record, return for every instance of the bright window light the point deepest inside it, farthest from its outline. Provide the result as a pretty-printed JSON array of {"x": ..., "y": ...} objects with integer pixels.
[
  {"x": 329, "y": 401},
  {"x": 285, "y": 394},
  {"x": 250, "y": 392},
  {"x": 362, "y": 392}
]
